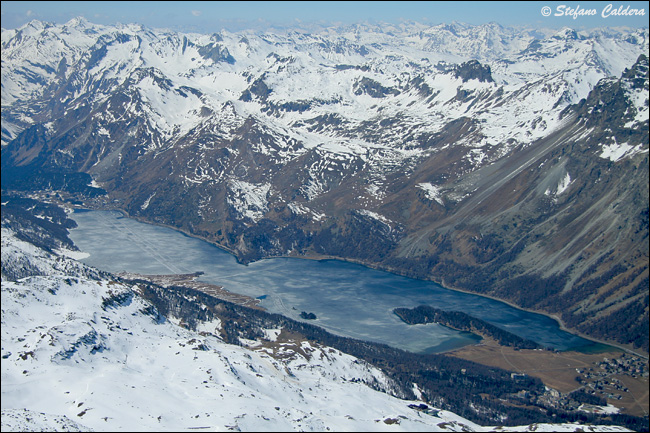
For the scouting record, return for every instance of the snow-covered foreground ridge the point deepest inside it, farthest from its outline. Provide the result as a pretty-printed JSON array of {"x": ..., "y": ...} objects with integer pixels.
[{"x": 88, "y": 353}]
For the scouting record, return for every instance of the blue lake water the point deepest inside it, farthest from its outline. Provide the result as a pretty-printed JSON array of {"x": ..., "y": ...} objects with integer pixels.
[{"x": 348, "y": 299}]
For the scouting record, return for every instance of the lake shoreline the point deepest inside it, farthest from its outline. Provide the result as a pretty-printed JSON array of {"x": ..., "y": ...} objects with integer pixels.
[
  {"x": 442, "y": 284},
  {"x": 374, "y": 266}
]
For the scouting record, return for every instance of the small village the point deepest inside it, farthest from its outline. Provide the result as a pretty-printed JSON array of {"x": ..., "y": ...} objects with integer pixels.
[
  {"x": 599, "y": 389},
  {"x": 602, "y": 380},
  {"x": 626, "y": 364}
]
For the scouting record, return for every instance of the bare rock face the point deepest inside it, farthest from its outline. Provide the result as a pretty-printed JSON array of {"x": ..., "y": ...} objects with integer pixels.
[{"x": 473, "y": 70}]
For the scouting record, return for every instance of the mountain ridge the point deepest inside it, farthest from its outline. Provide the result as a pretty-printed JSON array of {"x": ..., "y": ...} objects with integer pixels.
[
  {"x": 86, "y": 350},
  {"x": 422, "y": 152}
]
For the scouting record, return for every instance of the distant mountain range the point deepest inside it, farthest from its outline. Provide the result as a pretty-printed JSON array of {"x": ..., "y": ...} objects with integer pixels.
[{"x": 503, "y": 162}]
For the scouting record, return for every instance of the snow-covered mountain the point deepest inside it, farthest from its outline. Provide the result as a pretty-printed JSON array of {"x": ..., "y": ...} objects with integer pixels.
[
  {"x": 489, "y": 158},
  {"x": 356, "y": 73},
  {"x": 83, "y": 351},
  {"x": 70, "y": 356}
]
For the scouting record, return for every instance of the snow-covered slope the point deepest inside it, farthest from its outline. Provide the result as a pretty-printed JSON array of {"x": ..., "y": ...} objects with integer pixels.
[
  {"x": 358, "y": 100},
  {"x": 355, "y": 73},
  {"x": 452, "y": 152},
  {"x": 82, "y": 354}
]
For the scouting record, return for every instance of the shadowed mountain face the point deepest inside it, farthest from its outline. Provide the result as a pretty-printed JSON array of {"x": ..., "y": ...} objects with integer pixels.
[{"x": 492, "y": 161}]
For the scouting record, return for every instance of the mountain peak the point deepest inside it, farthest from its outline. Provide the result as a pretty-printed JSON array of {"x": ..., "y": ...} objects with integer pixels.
[
  {"x": 34, "y": 27},
  {"x": 79, "y": 21},
  {"x": 567, "y": 33}
]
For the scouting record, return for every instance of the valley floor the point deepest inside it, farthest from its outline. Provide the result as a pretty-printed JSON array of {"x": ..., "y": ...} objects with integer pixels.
[
  {"x": 102, "y": 205},
  {"x": 619, "y": 377}
]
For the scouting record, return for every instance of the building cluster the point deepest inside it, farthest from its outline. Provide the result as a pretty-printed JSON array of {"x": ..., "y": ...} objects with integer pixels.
[
  {"x": 600, "y": 383},
  {"x": 626, "y": 364},
  {"x": 601, "y": 379}
]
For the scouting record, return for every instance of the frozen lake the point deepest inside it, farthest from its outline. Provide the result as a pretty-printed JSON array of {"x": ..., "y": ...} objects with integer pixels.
[{"x": 348, "y": 299}]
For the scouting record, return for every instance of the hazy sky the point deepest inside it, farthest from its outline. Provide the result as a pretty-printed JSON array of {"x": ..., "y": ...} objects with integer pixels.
[{"x": 208, "y": 17}]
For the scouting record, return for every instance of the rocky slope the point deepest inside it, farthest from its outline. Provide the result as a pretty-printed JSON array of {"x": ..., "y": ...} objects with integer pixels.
[{"x": 508, "y": 163}]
